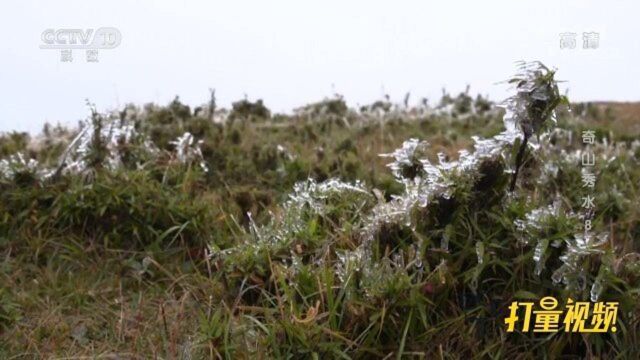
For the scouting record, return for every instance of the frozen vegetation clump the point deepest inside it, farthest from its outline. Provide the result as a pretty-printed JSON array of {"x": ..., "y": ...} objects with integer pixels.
[
  {"x": 532, "y": 110},
  {"x": 573, "y": 272},
  {"x": 100, "y": 143},
  {"x": 408, "y": 161},
  {"x": 555, "y": 227},
  {"x": 380, "y": 259},
  {"x": 543, "y": 227},
  {"x": 188, "y": 151},
  {"x": 16, "y": 166},
  {"x": 290, "y": 232},
  {"x": 110, "y": 143},
  {"x": 393, "y": 239}
]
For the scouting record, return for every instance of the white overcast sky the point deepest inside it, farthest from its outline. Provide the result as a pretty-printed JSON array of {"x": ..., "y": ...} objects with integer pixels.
[{"x": 293, "y": 52}]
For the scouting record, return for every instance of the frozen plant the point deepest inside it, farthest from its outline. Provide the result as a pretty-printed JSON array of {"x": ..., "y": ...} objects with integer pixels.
[
  {"x": 408, "y": 161},
  {"x": 308, "y": 201},
  {"x": 572, "y": 272},
  {"x": 540, "y": 226},
  {"x": 15, "y": 165},
  {"x": 187, "y": 150},
  {"x": 101, "y": 142},
  {"x": 532, "y": 109}
]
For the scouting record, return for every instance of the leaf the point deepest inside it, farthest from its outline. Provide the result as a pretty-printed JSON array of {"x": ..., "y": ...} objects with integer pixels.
[
  {"x": 404, "y": 336},
  {"x": 524, "y": 294}
]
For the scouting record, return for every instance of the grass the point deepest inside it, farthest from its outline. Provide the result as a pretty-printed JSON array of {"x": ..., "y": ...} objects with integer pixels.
[{"x": 296, "y": 240}]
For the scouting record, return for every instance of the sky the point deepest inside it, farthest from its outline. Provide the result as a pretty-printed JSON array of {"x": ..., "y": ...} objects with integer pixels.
[{"x": 290, "y": 53}]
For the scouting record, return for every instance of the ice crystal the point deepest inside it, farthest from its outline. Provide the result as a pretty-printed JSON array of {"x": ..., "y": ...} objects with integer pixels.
[
  {"x": 348, "y": 263},
  {"x": 480, "y": 251},
  {"x": 444, "y": 242},
  {"x": 596, "y": 289}
]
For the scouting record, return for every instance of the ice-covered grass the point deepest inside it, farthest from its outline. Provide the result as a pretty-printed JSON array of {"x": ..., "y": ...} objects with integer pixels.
[{"x": 386, "y": 231}]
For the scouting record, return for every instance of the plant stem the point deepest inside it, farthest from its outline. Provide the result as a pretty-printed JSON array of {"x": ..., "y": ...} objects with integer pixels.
[{"x": 519, "y": 159}]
